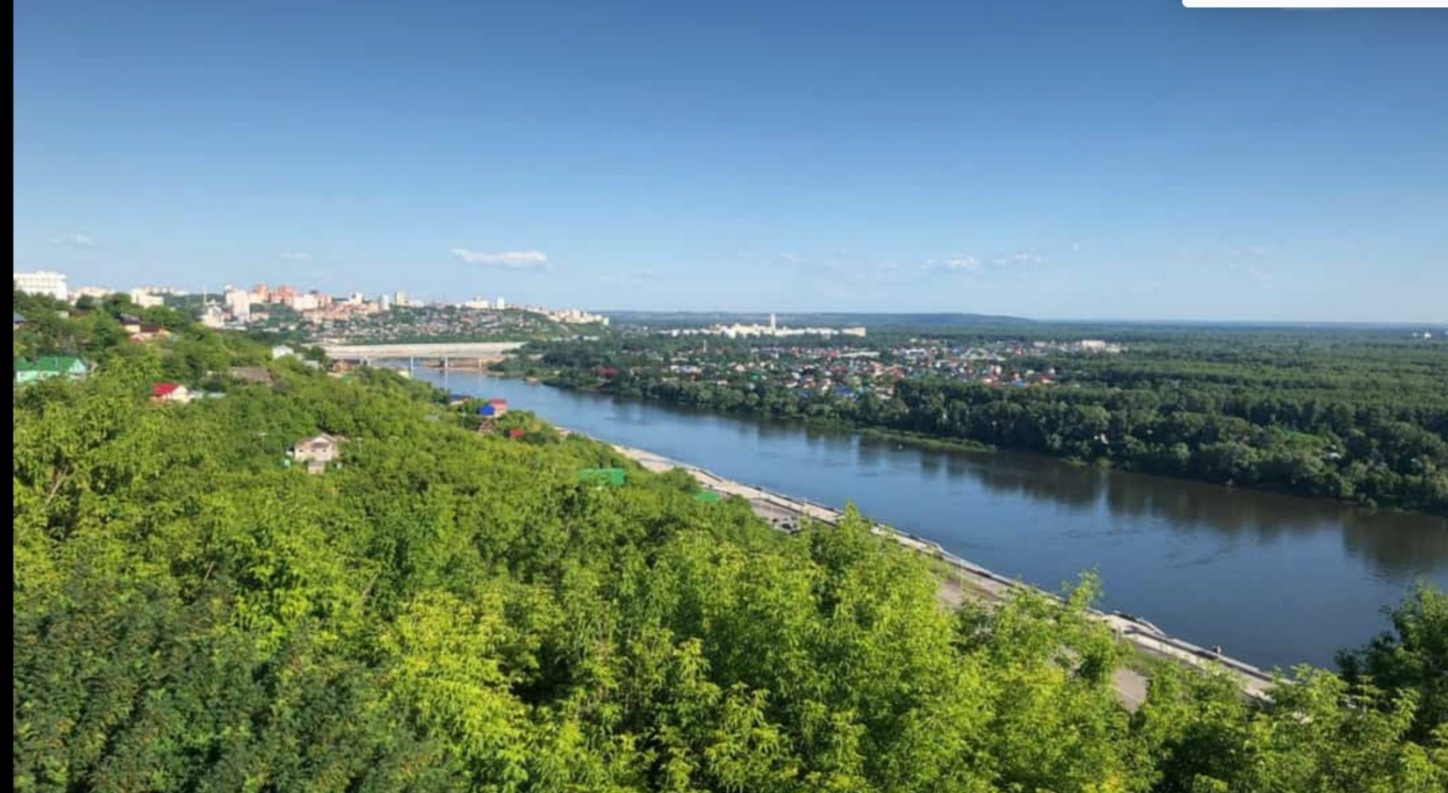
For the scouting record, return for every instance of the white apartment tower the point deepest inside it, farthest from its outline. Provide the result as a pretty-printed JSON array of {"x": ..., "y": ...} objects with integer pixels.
[
  {"x": 501, "y": 304},
  {"x": 238, "y": 302},
  {"x": 43, "y": 282}
]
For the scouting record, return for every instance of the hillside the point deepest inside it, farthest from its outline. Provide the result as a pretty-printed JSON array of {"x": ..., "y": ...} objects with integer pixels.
[{"x": 446, "y": 609}]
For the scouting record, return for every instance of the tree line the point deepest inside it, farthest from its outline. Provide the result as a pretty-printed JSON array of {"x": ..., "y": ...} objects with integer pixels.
[{"x": 1336, "y": 415}]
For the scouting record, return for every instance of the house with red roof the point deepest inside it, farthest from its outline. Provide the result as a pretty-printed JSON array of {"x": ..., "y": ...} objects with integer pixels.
[{"x": 170, "y": 392}]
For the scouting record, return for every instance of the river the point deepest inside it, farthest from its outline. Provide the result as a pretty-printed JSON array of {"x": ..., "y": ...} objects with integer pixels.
[{"x": 1274, "y": 580}]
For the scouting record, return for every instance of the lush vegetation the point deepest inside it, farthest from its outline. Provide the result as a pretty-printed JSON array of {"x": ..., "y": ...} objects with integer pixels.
[
  {"x": 1360, "y": 415},
  {"x": 454, "y": 610}
]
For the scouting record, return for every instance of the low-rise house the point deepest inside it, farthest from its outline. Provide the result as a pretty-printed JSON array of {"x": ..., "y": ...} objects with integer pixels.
[
  {"x": 251, "y": 374},
  {"x": 170, "y": 392},
  {"x": 18, "y": 321},
  {"x": 48, "y": 366},
  {"x": 282, "y": 351},
  {"x": 317, "y": 451}
]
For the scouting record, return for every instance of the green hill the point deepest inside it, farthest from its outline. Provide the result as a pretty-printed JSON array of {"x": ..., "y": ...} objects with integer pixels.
[{"x": 442, "y": 609}]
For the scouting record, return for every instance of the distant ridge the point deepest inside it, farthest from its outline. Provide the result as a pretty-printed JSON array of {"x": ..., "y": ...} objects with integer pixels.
[{"x": 829, "y": 319}]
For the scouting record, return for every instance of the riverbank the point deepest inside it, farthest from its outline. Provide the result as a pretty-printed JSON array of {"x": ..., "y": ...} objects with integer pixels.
[
  {"x": 1163, "y": 462},
  {"x": 963, "y": 578}
]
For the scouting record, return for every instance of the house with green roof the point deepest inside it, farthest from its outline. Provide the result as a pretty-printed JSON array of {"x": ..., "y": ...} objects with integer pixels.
[{"x": 48, "y": 366}]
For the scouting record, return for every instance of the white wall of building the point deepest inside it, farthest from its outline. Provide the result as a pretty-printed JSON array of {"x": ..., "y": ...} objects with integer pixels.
[
  {"x": 238, "y": 302},
  {"x": 43, "y": 282},
  {"x": 146, "y": 299}
]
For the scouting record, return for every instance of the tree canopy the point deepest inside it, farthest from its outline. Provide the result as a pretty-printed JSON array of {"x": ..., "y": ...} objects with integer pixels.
[{"x": 455, "y": 610}]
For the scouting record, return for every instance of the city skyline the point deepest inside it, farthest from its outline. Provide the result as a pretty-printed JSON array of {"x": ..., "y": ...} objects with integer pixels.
[{"x": 1141, "y": 161}]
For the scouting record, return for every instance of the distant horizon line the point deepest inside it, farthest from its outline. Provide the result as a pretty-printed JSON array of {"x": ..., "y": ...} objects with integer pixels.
[{"x": 1020, "y": 318}]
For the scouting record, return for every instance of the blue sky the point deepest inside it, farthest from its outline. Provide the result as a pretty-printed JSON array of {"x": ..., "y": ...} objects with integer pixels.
[{"x": 1124, "y": 159}]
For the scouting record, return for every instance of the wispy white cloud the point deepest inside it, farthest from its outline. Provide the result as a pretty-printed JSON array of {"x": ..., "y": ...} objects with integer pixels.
[
  {"x": 789, "y": 258},
  {"x": 295, "y": 256},
  {"x": 1019, "y": 259},
  {"x": 510, "y": 260},
  {"x": 76, "y": 241},
  {"x": 974, "y": 265},
  {"x": 1076, "y": 245},
  {"x": 955, "y": 264}
]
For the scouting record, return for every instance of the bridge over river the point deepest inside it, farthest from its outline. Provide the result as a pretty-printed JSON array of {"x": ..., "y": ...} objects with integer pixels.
[{"x": 462, "y": 353}]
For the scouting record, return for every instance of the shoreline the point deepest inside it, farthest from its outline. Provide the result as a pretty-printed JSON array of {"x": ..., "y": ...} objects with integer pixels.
[
  {"x": 930, "y": 443},
  {"x": 1139, "y": 633}
]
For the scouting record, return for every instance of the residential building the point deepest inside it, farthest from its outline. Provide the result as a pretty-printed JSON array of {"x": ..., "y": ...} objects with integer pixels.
[
  {"x": 303, "y": 302},
  {"x": 238, "y": 302},
  {"x": 48, "y": 366},
  {"x": 92, "y": 292},
  {"x": 502, "y": 304},
  {"x": 43, "y": 282},
  {"x": 251, "y": 374},
  {"x": 384, "y": 302},
  {"x": 317, "y": 451},
  {"x": 18, "y": 321},
  {"x": 146, "y": 299},
  {"x": 213, "y": 317},
  {"x": 400, "y": 300},
  {"x": 170, "y": 392},
  {"x": 282, "y": 351}
]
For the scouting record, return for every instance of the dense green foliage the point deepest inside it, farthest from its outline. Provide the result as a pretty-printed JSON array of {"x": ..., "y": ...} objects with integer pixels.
[
  {"x": 1347, "y": 415},
  {"x": 453, "y": 610},
  {"x": 1413, "y": 656}
]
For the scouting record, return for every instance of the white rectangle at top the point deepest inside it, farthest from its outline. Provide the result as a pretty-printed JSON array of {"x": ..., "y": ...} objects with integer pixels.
[{"x": 1315, "y": 3}]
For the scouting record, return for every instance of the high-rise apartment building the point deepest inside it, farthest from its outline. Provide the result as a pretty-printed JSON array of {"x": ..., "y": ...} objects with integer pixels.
[{"x": 238, "y": 302}]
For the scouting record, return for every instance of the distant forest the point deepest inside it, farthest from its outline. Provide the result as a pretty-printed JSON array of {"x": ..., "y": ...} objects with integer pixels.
[{"x": 1358, "y": 414}]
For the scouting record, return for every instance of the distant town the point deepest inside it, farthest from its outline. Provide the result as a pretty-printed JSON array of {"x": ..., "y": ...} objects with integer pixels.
[{"x": 319, "y": 317}]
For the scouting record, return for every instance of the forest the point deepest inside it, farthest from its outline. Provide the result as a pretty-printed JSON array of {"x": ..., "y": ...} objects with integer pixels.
[
  {"x": 445, "y": 608},
  {"x": 1346, "y": 414}
]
